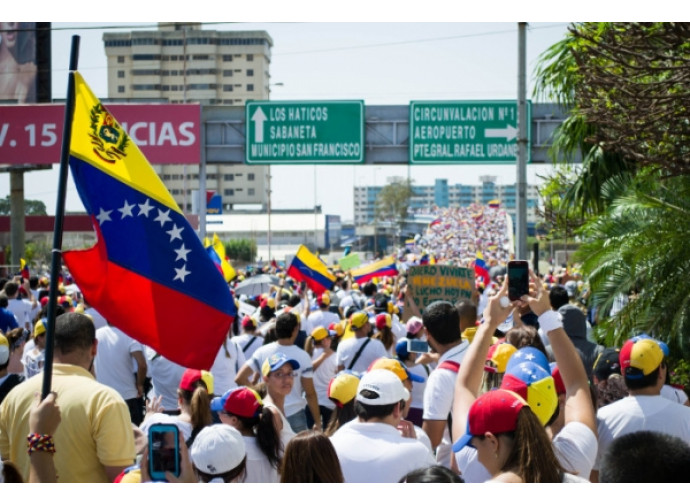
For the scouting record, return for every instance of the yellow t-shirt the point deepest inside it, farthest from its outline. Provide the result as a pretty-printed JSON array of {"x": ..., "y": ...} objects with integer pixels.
[{"x": 95, "y": 430}]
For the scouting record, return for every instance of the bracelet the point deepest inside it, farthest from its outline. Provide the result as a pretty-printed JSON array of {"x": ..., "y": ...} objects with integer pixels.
[
  {"x": 549, "y": 320},
  {"x": 40, "y": 442}
]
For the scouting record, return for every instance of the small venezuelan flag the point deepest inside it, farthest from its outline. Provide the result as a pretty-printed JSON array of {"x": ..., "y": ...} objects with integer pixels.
[{"x": 306, "y": 267}]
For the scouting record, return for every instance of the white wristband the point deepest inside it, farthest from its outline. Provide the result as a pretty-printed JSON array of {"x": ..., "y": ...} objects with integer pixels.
[{"x": 549, "y": 320}]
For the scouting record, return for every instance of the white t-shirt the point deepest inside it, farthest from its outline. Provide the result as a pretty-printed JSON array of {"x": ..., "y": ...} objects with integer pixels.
[
  {"x": 243, "y": 339},
  {"x": 348, "y": 348},
  {"x": 165, "y": 378},
  {"x": 113, "y": 363},
  {"x": 321, "y": 318},
  {"x": 322, "y": 377},
  {"x": 259, "y": 469},
  {"x": 375, "y": 452},
  {"x": 636, "y": 413},
  {"x": 576, "y": 448},
  {"x": 294, "y": 400},
  {"x": 438, "y": 398},
  {"x": 98, "y": 319},
  {"x": 286, "y": 433},
  {"x": 417, "y": 396},
  {"x": 224, "y": 368},
  {"x": 674, "y": 394},
  {"x": 22, "y": 312}
]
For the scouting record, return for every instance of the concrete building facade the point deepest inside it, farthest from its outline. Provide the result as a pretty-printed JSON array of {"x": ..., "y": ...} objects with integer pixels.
[{"x": 181, "y": 63}]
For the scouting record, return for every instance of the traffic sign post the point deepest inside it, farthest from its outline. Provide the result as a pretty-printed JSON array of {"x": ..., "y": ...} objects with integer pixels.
[
  {"x": 465, "y": 132},
  {"x": 282, "y": 132}
]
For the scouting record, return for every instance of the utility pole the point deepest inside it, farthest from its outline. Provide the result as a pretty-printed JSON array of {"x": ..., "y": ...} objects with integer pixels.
[{"x": 521, "y": 180}]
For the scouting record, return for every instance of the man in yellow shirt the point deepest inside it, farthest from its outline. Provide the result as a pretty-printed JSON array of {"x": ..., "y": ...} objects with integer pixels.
[{"x": 94, "y": 441}]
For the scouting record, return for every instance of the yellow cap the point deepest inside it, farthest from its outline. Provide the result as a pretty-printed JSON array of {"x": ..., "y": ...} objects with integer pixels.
[
  {"x": 358, "y": 320},
  {"x": 319, "y": 333}
]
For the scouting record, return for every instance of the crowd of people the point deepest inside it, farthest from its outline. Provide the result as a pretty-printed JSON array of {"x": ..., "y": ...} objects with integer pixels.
[{"x": 343, "y": 386}]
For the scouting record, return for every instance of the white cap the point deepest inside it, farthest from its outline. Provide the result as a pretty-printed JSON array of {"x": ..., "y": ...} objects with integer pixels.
[
  {"x": 217, "y": 449},
  {"x": 385, "y": 384}
]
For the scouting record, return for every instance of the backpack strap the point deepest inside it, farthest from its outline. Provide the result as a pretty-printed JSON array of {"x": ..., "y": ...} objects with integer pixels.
[
  {"x": 450, "y": 366},
  {"x": 249, "y": 343},
  {"x": 359, "y": 352}
]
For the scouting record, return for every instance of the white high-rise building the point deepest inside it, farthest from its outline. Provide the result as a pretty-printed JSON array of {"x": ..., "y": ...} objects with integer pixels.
[{"x": 181, "y": 63}]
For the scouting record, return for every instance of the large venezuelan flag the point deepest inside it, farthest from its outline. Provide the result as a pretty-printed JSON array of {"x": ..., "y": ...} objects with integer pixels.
[
  {"x": 383, "y": 268},
  {"x": 306, "y": 267},
  {"x": 148, "y": 273}
]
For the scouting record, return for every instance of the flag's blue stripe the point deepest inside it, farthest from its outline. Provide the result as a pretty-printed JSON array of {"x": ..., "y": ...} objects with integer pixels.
[
  {"x": 142, "y": 245},
  {"x": 310, "y": 273}
]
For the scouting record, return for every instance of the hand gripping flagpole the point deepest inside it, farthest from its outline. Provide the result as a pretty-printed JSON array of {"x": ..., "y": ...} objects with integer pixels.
[{"x": 56, "y": 254}]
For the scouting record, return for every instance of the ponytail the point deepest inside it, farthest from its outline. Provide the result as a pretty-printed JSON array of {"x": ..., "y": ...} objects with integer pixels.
[
  {"x": 309, "y": 346},
  {"x": 268, "y": 438}
]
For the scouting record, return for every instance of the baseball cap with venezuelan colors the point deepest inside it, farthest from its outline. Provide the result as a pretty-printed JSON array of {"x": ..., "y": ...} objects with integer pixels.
[
  {"x": 359, "y": 320},
  {"x": 191, "y": 376},
  {"x": 640, "y": 356},
  {"x": 535, "y": 385},
  {"x": 343, "y": 387},
  {"x": 397, "y": 367},
  {"x": 275, "y": 362},
  {"x": 495, "y": 411},
  {"x": 241, "y": 401}
]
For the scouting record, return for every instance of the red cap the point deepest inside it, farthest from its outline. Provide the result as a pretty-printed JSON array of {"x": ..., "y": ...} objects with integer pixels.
[{"x": 242, "y": 402}]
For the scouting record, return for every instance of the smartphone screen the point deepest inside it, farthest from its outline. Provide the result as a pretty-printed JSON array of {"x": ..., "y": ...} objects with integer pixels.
[
  {"x": 518, "y": 279},
  {"x": 417, "y": 346},
  {"x": 164, "y": 451}
]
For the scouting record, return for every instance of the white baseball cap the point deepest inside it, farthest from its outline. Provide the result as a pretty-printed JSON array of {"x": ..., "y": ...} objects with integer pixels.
[
  {"x": 217, "y": 449},
  {"x": 386, "y": 386}
]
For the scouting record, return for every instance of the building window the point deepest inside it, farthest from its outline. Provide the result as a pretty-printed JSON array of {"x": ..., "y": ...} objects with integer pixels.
[
  {"x": 250, "y": 57},
  {"x": 250, "y": 176},
  {"x": 227, "y": 57},
  {"x": 120, "y": 89},
  {"x": 120, "y": 59},
  {"x": 250, "y": 191},
  {"x": 250, "y": 73},
  {"x": 229, "y": 192},
  {"x": 227, "y": 87},
  {"x": 228, "y": 176},
  {"x": 250, "y": 87},
  {"x": 212, "y": 176},
  {"x": 120, "y": 74},
  {"x": 227, "y": 73}
]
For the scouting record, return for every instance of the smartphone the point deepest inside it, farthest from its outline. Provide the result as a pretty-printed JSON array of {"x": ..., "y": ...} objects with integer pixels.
[
  {"x": 164, "y": 451},
  {"x": 417, "y": 346},
  {"x": 518, "y": 279}
]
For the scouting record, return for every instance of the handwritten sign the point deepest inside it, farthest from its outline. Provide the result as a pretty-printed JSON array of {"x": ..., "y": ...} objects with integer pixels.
[{"x": 436, "y": 282}]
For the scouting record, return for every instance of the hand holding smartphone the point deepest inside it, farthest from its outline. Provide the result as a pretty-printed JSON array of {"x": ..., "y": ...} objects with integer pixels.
[
  {"x": 417, "y": 346},
  {"x": 164, "y": 451},
  {"x": 518, "y": 279}
]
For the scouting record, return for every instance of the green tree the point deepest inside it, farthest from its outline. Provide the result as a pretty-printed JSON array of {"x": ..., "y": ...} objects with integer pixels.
[
  {"x": 242, "y": 249},
  {"x": 393, "y": 202},
  {"x": 31, "y": 207},
  {"x": 627, "y": 90}
]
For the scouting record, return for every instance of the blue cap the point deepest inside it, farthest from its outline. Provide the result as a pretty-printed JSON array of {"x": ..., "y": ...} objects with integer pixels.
[{"x": 528, "y": 354}]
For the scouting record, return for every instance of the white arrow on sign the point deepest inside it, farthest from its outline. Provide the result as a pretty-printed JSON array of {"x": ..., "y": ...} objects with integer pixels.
[
  {"x": 259, "y": 117},
  {"x": 509, "y": 133}
]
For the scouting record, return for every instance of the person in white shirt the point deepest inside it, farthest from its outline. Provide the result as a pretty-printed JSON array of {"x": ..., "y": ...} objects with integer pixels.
[
  {"x": 321, "y": 346},
  {"x": 286, "y": 328},
  {"x": 357, "y": 353},
  {"x": 114, "y": 364},
  {"x": 228, "y": 362},
  {"x": 323, "y": 316},
  {"x": 370, "y": 448},
  {"x": 21, "y": 308}
]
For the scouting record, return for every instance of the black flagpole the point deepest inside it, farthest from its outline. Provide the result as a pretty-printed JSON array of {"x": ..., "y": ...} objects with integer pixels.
[{"x": 56, "y": 253}]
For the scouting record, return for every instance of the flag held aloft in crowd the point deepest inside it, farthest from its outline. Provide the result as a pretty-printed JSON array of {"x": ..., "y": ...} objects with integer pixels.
[
  {"x": 306, "y": 267},
  {"x": 148, "y": 274}
]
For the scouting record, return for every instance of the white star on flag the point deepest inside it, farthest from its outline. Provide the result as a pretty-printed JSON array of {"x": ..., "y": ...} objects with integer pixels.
[
  {"x": 182, "y": 253},
  {"x": 163, "y": 217},
  {"x": 145, "y": 208},
  {"x": 181, "y": 273},
  {"x": 175, "y": 233},
  {"x": 104, "y": 216},
  {"x": 126, "y": 210}
]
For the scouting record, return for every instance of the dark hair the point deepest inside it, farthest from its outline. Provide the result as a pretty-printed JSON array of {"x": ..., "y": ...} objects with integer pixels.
[
  {"x": 74, "y": 332},
  {"x": 432, "y": 474},
  {"x": 646, "y": 457},
  {"x": 442, "y": 322},
  {"x": 369, "y": 411},
  {"x": 558, "y": 297},
  {"x": 369, "y": 289},
  {"x": 294, "y": 300},
  {"x": 643, "y": 381},
  {"x": 200, "y": 405},
  {"x": 525, "y": 336},
  {"x": 4, "y": 300},
  {"x": 532, "y": 457},
  {"x": 10, "y": 472},
  {"x": 285, "y": 325},
  {"x": 310, "y": 458},
  {"x": 227, "y": 477},
  {"x": 340, "y": 416},
  {"x": 611, "y": 390},
  {"x": 11, "y": 288},
  {"x": 386, "y": 337},
  {"x": 467, "y": 312},
  {"x": 267, "y": 437}
]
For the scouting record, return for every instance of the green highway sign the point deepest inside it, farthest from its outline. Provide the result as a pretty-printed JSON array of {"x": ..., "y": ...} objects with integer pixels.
[
  {"x": 465, "y": 132},
  {"x": 292, "y": 132}
]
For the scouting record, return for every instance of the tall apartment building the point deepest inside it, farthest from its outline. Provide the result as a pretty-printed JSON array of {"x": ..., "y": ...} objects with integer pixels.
[
  {"x": 181, "y": 63},
  {"x": 443, "y": 195}
]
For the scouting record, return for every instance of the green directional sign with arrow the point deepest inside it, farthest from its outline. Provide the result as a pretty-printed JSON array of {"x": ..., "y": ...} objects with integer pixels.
[
  {"x": 292, "y": 132},
  {"x": 465, "y": 132}
]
